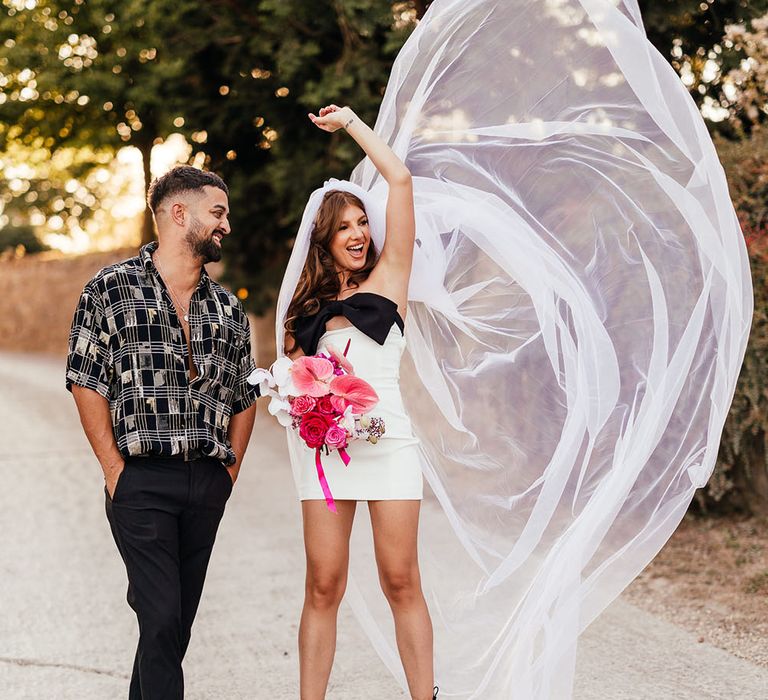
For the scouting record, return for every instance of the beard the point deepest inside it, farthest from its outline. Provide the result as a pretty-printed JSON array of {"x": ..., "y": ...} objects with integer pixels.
[{"x": 201, "y": 243}]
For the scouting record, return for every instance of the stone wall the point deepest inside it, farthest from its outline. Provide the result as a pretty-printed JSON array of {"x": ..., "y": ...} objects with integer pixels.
[{"x": 38, "y": 294}]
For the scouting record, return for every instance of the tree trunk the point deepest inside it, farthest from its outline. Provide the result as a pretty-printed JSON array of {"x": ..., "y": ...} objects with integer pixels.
[
  {"x": 750, "y": 475},
  {"x": 148, "y": 224}
]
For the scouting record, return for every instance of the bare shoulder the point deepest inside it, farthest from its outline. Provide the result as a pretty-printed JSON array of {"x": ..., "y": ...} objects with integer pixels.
[{"x": 385, "y": 285}]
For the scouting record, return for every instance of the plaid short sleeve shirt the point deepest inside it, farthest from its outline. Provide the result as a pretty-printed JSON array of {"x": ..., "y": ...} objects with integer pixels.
[{"x": 127, "y": 344}]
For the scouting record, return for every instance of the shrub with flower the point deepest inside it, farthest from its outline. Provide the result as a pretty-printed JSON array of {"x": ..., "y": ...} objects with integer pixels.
[
  {"x": 746, "y": 85},
  {"x": 740, "y": 479},
  {"x": 320, "y": 397}
]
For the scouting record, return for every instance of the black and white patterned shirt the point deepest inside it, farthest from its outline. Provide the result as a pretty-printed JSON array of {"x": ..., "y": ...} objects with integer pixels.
[{"x": 128, "y": 345}]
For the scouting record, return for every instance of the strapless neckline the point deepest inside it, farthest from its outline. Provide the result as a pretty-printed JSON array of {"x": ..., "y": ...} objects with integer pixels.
[{"x": 371, "y": 313}]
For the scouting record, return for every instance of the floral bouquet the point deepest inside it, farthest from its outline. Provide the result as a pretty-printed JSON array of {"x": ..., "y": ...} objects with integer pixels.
[{"x": 320, "y": 397}]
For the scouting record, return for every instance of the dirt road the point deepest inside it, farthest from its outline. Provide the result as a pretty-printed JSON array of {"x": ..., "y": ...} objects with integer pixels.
[{"x": 66, "y": 632}]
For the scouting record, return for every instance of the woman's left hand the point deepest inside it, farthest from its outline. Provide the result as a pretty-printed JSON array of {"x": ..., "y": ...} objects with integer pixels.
[{"x": 332, "y": 118}]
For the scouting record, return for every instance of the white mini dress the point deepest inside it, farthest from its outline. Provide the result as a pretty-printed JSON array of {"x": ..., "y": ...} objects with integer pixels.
[{"x": 391, "y": 468}]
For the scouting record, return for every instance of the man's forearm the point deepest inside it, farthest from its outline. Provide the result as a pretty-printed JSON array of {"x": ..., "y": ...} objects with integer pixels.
[
  {"x": 97, "y": 424},
  {"x": 240, "y": 428}
]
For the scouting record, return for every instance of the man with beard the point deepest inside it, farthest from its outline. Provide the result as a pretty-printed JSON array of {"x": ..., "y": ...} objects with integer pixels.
[{"x": 158, "y": 359}]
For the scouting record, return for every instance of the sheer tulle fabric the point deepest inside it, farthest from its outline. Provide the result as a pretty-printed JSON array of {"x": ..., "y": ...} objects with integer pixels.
[{"x": 578, "y": 314}]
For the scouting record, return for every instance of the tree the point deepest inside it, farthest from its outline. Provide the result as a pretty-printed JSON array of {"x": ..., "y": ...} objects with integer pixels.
[
  {"x": 253, "y": 74},
  {"x": 748, "y": 82},
  {"x": 689, "y": 33},
  {"x": 96, "y": 75},
  {"x": 740, "y": 480},
  {"x": 236, "y": 78}
]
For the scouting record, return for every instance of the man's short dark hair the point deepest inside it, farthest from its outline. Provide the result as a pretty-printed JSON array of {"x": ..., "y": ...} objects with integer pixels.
[{"x": 182, "y": 178}]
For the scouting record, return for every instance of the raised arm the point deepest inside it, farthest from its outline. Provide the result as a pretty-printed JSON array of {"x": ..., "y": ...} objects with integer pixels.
[{"x": 397, "y": 255}]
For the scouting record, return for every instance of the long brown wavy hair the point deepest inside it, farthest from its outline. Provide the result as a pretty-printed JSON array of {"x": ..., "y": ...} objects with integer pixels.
[{"x": 319, "y": 279}]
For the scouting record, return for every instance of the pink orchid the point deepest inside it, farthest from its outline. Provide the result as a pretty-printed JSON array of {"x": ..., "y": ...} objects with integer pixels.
[
  {"x": 311, "y": 375},
  {"x": 352, "y": 391},
  {"x": 342, "y": 361}
]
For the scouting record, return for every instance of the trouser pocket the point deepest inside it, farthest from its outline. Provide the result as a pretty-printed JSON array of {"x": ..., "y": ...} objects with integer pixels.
[{"x": 118, "y": 486}]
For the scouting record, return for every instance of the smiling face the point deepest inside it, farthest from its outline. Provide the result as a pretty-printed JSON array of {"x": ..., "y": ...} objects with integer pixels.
[
  {"x": 208, "y": 225},
  {"x": 349, "y": 244}
]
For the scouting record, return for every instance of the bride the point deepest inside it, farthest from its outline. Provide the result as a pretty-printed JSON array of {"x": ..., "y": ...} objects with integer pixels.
[
  {"x": 576, "y": 299},
  {"x": 350, "y": 294}
]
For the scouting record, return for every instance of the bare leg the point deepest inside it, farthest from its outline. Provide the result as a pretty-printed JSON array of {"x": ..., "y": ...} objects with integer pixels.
[
  {"x": 326, "y": 542},
  {"x": 395, "y": 527}
]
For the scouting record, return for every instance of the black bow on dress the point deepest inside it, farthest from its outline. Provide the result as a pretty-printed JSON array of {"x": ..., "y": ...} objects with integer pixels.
[{"x": 370, "y": 313}]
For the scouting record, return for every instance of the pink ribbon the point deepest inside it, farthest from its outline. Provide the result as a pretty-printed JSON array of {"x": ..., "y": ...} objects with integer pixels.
[
  {"x": 324, "y": 483},
  {"x": 319, "y": 465}
]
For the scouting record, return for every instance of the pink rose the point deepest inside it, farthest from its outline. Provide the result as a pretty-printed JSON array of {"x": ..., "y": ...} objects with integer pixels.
[
  {"x": 325, "y": 406},
  {"x": 313, "y": 428},
  {"x": 301, "y": 405},
  {"x": 336, "y": 437}
]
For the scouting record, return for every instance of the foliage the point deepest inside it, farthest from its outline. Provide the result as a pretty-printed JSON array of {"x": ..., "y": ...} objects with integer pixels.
[
  {"x": 62, "y": 187},
  {"x": 689, "y": 34},
  {"x": 749, "y": 80},
  {"x": 236, "y": 78},
  {"x": 75, "y": 74},
  {"x": 740, "y": 480},
  {"x": 253, "y": 74}
]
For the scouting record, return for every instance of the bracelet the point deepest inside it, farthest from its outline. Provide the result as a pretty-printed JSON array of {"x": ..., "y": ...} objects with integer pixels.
[{"x": 349, "y": 122}]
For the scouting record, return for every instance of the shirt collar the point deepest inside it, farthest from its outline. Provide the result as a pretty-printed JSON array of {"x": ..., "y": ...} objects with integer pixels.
[{"x": 145, "y": 254}]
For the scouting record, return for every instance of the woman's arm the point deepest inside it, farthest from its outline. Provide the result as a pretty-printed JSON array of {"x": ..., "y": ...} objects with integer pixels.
[
  {"x": 397, "y": 255},
  {"x": 392, "y": 169}
]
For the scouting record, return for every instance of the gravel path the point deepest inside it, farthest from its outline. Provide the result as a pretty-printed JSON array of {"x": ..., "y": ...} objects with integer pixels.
[{"x": 66, "y": 632}]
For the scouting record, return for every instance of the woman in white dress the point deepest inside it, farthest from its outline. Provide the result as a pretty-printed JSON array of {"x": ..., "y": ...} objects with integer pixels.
[
  {"x": 350, "y": 294},
  {"x": 578, "y": 309}
]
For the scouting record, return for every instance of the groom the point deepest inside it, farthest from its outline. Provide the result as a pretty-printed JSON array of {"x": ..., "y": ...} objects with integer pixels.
[{"x": 158, "y": 359}]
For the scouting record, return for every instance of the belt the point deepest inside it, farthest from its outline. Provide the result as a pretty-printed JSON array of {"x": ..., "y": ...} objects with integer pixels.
[{"x": 189, "y": 456}]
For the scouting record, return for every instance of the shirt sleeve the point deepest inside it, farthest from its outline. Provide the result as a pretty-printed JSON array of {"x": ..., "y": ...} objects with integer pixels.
[
  {"x": 89, "y": 357},
  {"x": 245, "y": 393}
]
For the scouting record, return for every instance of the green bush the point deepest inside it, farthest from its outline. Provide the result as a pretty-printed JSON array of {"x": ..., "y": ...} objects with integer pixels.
[
  {"x": 13, "y": 236},
  {"x": 740, "y": 480}
]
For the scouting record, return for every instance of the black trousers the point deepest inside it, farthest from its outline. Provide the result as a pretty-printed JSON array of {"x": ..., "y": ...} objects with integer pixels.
[{"x": 164, "y": 516}]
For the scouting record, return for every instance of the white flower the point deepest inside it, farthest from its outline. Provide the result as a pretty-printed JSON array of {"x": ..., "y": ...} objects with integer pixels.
[
  {"x": 281, "y": 371},
  {"x": 280, "y": 409},
  {"x": 276, "y": 383},
  {"x": 263, "y": 379},
  {"x": 347, "y": 421}
]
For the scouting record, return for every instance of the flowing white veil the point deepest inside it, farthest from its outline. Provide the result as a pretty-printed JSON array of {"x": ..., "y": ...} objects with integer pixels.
[{"x": 579, "y": 310}]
